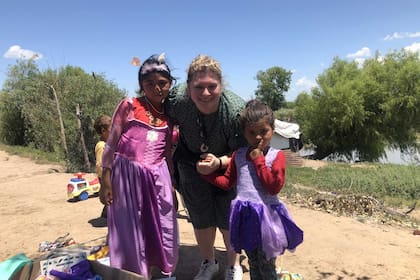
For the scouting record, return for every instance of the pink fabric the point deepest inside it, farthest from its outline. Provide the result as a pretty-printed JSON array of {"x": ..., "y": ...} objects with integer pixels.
[{"x": 142, "y": 221}]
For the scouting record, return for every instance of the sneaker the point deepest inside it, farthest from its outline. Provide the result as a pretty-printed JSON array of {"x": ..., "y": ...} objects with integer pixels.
[
  {"x": 207, "y": 270},
  {"x": 234, "y": 273}
]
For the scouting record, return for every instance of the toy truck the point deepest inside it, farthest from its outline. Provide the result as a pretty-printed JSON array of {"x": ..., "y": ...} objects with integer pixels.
[{"x": 79, "y": 188}]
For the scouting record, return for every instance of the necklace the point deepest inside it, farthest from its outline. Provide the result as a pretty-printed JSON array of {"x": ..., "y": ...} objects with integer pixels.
[
  {"x": 155, "y": 121},
  {"x": 204, "y": 132},
  {"x": 153, "y": 107}
]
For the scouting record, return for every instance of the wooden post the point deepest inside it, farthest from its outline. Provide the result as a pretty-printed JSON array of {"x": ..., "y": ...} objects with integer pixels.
[
  {"x": 60, "y": 119},
  {"x": 82, "y": 138}
]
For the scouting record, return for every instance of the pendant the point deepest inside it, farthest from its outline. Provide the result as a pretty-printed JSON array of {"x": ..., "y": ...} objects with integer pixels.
[
  {"x": 204, "y": 148},
  {"x": 152, "y": 136},
  {"x": 152, "y": 120}
]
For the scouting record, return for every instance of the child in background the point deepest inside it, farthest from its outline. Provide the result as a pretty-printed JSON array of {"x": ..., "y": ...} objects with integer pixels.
[
  {"x": 259, "y": 222},
  {"x": 137, "y": 185},
  {"x": 102, "y": 126}
]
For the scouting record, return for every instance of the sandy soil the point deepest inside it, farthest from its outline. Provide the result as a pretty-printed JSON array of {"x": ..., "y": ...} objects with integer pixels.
[{"x": 34, "y": 208}]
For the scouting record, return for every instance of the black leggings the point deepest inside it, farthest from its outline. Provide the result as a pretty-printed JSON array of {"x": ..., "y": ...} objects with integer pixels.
[{"x": 259, "y": 267}]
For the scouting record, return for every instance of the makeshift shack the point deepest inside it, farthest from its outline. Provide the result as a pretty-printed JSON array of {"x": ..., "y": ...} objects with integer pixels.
[{"x": 286, "y": 136}]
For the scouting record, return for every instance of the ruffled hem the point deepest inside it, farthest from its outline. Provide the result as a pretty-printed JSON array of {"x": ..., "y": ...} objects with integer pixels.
[{"x": 255, "y": 225}]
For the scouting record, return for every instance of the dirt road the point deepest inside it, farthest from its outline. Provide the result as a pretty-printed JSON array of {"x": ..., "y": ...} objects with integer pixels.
[{"x": 34, "y": 208}]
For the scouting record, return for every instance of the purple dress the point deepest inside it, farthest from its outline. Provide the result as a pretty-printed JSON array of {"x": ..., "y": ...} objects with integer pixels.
[
  {"x": 142, "y": 223},
  {"x": 257, "y": 218}
]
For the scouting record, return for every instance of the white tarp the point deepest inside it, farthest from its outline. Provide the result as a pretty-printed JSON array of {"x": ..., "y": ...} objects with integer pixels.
[{"x": 287, "y": 129}]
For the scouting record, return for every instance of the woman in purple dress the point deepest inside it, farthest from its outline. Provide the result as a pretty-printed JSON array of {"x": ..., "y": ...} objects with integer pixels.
[{"x": 136, "y": 180}]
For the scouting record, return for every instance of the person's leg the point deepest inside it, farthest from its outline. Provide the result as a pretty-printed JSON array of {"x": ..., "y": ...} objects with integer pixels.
[
  {"x": 209, "y": 266},
  {"x": 222, "y": 210},
  {"x": 199, "y": 199},
  {"x": 263, "y": 269},
  {"x": 232, "y": 258},
  {"x": 253, "y": 264},
  {"x": 268, "y": 268},
  {"x": 205, "y": 240},
  {"x": 233, "y": 266}
]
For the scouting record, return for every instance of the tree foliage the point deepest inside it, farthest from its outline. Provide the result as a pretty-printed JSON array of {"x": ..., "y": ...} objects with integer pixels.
[
  {"x": 22, "y": 82},
  {"x": 32, "y": 101},
  {"x": 357, "y": 111},
  {"x": 272, "y": 84}
]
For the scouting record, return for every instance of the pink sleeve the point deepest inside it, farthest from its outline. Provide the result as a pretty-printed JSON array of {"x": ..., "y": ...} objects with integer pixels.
[{"x": 122, "y": 115}]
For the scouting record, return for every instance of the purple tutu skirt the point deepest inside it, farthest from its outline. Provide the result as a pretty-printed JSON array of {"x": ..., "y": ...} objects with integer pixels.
[{"x": 256, "y": 225}]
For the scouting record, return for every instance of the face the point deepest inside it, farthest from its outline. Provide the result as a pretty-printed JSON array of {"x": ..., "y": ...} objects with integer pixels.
[
  {"x": 156, "y": 88},
  {"x": 105, "y": 133},
  {"x": 205, "y": 91},
  {"x": 258, "y": 134}
]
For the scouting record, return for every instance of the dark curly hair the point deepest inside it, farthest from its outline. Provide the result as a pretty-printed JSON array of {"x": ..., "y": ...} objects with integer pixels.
[{"x": 254, "y": 112}]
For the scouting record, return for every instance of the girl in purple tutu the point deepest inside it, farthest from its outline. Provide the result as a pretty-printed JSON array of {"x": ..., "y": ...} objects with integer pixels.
[
  {"x": 260, "y": 224},
  {"x": 136, "y": 180}
]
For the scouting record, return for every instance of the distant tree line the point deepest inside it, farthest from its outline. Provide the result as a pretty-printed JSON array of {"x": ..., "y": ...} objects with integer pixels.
[
  {"x": 356, "y": 111},
  {"x": 50, "y": 110}
]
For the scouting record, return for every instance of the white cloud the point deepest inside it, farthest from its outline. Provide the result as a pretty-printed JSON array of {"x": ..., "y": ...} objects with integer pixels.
[
  {"x": 363, "y": 52},
  {"x": 302, "y": 84},
  {"x": 305, "y": 84},
  {"x": 360, "y": 61},
  {"x": 393, "y": 36},
  {"x": 17, "y": 52},
  {"x": 401, "y": 35},
  {"x": 415, "y": 47}
]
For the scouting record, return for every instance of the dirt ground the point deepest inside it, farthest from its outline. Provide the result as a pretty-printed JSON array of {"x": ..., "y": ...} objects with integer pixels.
[{"x": 34, "y": 208}]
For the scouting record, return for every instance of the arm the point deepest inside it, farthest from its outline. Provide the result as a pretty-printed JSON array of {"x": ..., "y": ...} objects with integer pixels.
[
  {"x": 226, "y": 180},
  {"x": 119, "y": 120},
  {"x": 272, "y": 180},
  {"x": 209, "y": 163},
  {"x": 105, "y": 192},
  {"x": 99, "y": 150}
]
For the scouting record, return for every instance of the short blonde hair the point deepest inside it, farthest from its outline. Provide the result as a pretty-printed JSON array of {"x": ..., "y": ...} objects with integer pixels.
[{"x": 204, "y": 63}]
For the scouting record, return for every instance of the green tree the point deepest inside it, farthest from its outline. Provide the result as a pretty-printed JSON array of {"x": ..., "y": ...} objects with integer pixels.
[
  {"x": 272, "y": 84},
  {"x": 22, "y": 82},
  {"x": 94, "y": 95},
  {"x": 33, "y": 101},
  {"x": 357, "y": 111}
]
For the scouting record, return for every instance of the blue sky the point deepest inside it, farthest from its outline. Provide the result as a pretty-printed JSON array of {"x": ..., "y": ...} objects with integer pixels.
[{"x": 245, "y": 36}]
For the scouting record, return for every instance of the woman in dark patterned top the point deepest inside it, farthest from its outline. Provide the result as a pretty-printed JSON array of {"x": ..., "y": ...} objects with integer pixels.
[{"x": 209, "y": 130}]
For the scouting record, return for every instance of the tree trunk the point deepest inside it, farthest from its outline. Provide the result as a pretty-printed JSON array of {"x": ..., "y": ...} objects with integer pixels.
[
  {"x": 82, "y": 139},
  {"x": 60, "y": 119}
]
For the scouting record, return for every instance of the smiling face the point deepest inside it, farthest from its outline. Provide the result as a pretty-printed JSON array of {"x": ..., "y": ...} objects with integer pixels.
[
  {"x": 156, "y": 88},
  {"x": 258, "y": 134},
  {"x": 205, "y": 90}
]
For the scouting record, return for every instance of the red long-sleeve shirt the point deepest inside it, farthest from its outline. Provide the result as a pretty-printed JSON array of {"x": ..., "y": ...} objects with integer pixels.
[{"x": 271, "y": 179}]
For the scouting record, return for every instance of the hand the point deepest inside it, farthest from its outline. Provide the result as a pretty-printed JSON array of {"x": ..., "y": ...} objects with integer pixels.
[
  {"x": 208, "y": 164},
  {"x": 257, "y": 151},
  {"x": 105, "y": 193}
]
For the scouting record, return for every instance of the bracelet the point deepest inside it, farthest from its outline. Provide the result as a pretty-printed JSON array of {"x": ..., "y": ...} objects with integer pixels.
[{"x": 220, "y": 164}]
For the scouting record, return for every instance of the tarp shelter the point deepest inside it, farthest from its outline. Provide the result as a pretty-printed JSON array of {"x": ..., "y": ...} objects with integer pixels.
[{"x": 286, "y": 135}]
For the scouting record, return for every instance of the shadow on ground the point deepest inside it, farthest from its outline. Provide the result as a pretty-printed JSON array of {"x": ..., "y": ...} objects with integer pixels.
[
  {"x": 189, "y": 262},
  {"x": 98, "y": 222}
]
